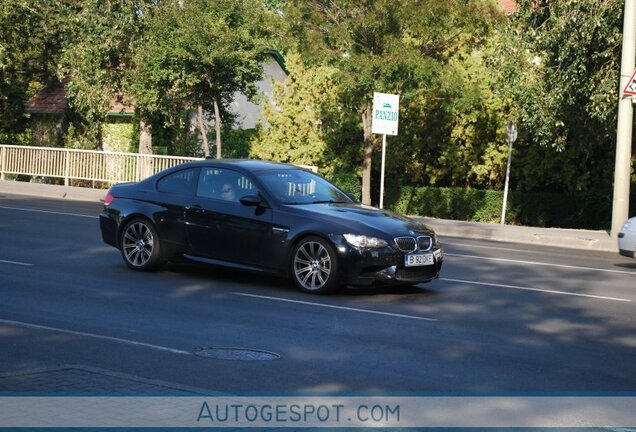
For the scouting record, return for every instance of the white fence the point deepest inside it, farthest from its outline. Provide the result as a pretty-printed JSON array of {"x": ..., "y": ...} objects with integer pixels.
[{"x": 89, "y": 165}]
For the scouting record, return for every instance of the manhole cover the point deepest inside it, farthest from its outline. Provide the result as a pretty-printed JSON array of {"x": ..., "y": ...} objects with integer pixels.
[{"x": 236, "y": 354}]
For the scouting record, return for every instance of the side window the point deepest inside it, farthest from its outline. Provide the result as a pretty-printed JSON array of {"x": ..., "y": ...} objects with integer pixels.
[
  {"x": 224, "y": 184},
  {"x": 181, "y": 182}
]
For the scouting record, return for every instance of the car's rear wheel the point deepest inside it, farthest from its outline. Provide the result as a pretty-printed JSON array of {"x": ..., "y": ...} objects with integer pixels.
[
  {"x": 314, "y": 266},
  {"x": 140, "y": 245}
]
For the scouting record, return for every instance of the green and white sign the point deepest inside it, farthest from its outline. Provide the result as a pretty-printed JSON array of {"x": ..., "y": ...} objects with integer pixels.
[{"x": 386, "y": 108}]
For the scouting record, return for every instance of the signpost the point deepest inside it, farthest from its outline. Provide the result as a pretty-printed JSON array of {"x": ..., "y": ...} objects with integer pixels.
[
  {"x": 511, "y": 135},
  {"x": 630, "y": 88},
  {"x": 625, "y": 121},
  {"x": 386, "y": 109}
]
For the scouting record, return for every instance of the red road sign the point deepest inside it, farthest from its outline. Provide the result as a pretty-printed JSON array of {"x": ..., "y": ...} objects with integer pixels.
[{"x": 630, "y": 88}]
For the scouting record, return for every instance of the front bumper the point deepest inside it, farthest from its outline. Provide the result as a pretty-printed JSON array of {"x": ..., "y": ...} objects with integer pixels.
[{"x": 380, "y": 267}]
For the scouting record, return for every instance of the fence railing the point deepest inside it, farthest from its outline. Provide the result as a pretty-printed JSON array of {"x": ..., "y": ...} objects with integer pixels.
[{"x": 98, "y": 166}]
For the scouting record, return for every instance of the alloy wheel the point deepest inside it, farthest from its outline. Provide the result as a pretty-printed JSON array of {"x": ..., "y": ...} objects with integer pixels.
[
  {"x": 312, "y": 265},
  {"x": 138, "y": 244}
]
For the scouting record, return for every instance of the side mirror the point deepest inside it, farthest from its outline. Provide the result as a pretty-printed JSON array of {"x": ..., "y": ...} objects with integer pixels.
[{"x": 251, "y": 200}]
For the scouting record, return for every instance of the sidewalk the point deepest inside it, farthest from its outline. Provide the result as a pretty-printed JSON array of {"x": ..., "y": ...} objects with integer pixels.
[
  {"x": 557, "y": 237},
  {"x": 86, "y": 379},
  {"x": 52, "y": 191}
]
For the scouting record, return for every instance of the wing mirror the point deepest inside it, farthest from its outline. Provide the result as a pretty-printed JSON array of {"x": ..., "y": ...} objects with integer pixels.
[{"x": 251, "y": 200}]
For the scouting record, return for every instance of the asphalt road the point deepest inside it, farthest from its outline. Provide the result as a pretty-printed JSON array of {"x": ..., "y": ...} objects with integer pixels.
[{"x": 502, "y": 318}]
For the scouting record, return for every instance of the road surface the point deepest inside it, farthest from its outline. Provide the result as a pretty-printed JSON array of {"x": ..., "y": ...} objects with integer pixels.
[{"x": 503, "y": 317}]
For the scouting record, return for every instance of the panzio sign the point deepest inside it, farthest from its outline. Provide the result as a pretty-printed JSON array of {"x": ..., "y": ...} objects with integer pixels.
[
  {"x": 386, "y": 114},
  {"x": 386, "y": 109}
]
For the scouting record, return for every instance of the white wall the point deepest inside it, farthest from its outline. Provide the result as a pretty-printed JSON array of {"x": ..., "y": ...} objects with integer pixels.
[{"x": 248, "y": 113}]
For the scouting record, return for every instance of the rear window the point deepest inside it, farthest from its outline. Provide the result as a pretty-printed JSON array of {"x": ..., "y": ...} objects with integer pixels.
[{"x": 181, "y": 182}]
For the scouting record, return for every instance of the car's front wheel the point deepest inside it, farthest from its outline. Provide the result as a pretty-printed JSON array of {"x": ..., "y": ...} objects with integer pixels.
[
  {"x": 314, "y": 266},
  {"x": 140, "y": 245}
]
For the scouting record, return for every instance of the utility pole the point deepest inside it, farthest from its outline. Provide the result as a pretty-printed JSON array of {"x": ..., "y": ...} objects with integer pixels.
[{"x": 622, "y": 169}]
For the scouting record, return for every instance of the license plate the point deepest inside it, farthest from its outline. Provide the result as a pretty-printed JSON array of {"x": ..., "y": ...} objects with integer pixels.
[{"x": 418, "y": 260}]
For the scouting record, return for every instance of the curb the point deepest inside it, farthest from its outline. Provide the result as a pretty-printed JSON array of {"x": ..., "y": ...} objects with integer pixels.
[
  {"x": 52, "y": 191},
  {"x": 555, "y": 237}
]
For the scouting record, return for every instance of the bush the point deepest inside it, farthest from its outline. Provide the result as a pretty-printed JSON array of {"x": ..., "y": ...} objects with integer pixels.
[
  {"x": 235, "y": 143},
  {"x": 588, "y": 210},
  {"x": 448, "y": 203},
  {"x": 348, "y": 182}
]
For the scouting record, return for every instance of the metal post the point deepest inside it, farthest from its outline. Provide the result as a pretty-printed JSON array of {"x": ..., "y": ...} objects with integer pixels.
[
  {"x": 382, "y": 173},
  {"x": 138, "y": 170},
  {"x": 511, "y": 134},
  {"x": 67, "y": 165},
  {"x": 3, "y": 162},
  {"x": 622, "y": 167},
  {"x": 505, "y": 197}
]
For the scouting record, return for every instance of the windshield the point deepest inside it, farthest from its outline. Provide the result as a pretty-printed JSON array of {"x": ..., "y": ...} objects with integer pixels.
[{"x": 301, "y": 187}]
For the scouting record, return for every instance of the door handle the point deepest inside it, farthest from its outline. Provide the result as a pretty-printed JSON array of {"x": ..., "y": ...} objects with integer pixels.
[{"x": 194, "y": 208}]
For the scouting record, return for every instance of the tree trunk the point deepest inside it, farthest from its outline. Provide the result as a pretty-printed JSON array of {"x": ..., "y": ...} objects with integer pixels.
[
  {"x": 204, "y": 133},
  {"x": 145, "y": 136},
  {"x": 217, "y": 128},
  {"x": 144, "y": 164},
  {"x": 368, "y": 153}
]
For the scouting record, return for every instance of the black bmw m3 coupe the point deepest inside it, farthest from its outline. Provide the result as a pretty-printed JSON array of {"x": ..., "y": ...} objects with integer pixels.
[{"x": 266, "y": 217}]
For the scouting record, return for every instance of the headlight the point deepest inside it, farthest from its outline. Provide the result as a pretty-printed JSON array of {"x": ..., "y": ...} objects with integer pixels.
[{"x": 362, "y": 241}]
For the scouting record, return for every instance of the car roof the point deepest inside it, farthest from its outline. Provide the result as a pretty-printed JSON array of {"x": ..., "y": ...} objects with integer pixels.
[{"x": 248, "y": 164}]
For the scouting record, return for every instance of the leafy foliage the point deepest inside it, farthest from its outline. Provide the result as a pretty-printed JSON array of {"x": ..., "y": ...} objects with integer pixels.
[
  {"x": 588, "y": 209},
  {"x": 462, "y": 70},
  {"x": 97, "y": 52},
  {"x": 195, "y": 51},
  {"x": 559, "y": 62},
  {"x": 384, "y": 45},
  {"x": 31, "y": 33},
  {"x": 299, "y": 117}
]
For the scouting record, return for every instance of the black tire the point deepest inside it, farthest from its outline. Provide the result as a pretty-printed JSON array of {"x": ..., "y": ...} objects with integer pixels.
[
  {"x": 140, "y": 246},
  {"x": 314, "y": 266}
]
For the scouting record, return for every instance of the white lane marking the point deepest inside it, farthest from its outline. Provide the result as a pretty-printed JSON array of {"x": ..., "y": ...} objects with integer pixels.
[
  {"x": 540, "y": 264},
  {"x": 336, "y": 307},
  {"x": 94, "y": 336},
  {"x": 15, "y": 263},
  {"x": 48, "y": 212},
  {"x": 535, "y": 289}
]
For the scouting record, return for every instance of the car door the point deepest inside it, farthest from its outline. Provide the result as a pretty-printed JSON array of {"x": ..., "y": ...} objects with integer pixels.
[
  {"x": 220, "y": 227},
  {"x": 175, "y": 192}
]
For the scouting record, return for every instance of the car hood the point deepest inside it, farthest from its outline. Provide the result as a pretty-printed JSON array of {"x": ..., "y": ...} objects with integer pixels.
[{"x": 362, "y": 219}]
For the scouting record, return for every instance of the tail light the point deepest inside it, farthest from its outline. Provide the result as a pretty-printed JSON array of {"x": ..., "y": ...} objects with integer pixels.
[{"x": 109, "y": 199}]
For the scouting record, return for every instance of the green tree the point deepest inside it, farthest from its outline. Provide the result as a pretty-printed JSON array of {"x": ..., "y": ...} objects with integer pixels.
[
  {"x": 195, "y": 55},
  {"x": 559, "y": 63},
  {"x": 31, "y": 33},
  {"x": 97, "y": 51},
  {"x": 452, "y": 127},
  {"x": 299, "y": 118},
  {"x": 384, "y": 45},
  {"x": 95, "y": 55}
]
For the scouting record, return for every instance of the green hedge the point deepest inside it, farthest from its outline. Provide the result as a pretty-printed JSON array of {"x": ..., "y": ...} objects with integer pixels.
[
  {"x": 348, "y": 182},
  {"x": 590, "y": 210}
]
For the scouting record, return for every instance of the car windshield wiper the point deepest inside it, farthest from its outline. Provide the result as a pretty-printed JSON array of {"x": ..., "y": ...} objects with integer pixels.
[
  {"x": 330, "y": 202},
  {"x": 318, "y": 202}
]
